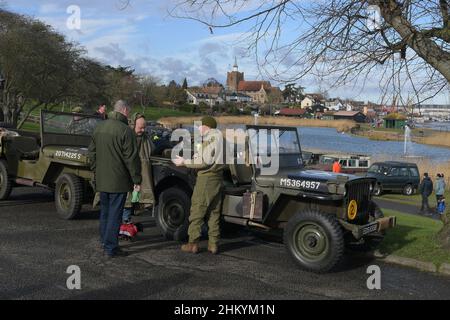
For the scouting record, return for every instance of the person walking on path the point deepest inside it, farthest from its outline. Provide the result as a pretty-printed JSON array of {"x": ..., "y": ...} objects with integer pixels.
[
  {"x": 207, "y": 195},
  {"x": 115, "y": 161},
  {"x": 425, "y": 189}
]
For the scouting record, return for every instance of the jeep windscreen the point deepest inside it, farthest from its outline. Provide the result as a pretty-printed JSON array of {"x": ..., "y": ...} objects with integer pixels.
[
  {"x": 67, "y": 129},
  {"x": 69, "y": 123},
  {"x": 280, "y": 142}
]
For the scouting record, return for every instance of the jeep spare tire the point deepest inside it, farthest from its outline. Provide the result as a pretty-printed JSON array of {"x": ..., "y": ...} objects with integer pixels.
[
  {"x": 68, "y": 196},
  {"x": 172, "y": 214},
  {"x": 5, "y": 182},
  {"x": 314, "y": 240}
]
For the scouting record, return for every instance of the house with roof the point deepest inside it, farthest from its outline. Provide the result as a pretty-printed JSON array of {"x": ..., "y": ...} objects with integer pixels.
[
  {"x": 292, "y": 112},
  {"x": 356, "y": 116},
  {"x": 259, "y": 91},
  {"x": 334, "y": 104},
  {"x": 209, "y": 95},
  {"x": 395, "y": 120},
  {"x": 237, "y": 97}
]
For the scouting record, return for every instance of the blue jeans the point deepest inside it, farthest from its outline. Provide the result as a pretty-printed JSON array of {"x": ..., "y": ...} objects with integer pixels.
[
  {"x": 127, "y": 213},
  {"x": 111, "y": 207}
]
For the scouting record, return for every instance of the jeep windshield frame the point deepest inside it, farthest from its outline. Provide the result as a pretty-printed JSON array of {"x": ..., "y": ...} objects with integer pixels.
[
  {"x": 287, "y": 146},
  {"x": 67, "y": 129}
]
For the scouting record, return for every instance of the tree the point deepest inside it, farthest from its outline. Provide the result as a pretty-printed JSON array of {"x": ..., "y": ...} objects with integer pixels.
[
  {"x": 36, "y": 64},
  {"x": 292, "y": 93},
  {"x": 148, "y": 93},
  {"x": 403, "y": 43},
  {"x": 212, "y": 82},
  {"x": 175, "y": 93},
  {"x": 185, "y": 84},
  {"x": 342, "y": 41},
  {"x": 122, "y": 84}
]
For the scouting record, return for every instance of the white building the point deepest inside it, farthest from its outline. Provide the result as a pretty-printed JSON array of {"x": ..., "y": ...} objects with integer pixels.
[
  {"x": 334, "y": 105},
  {"x": 307, "y": 102},
  {"x": 437, "y": 111}
]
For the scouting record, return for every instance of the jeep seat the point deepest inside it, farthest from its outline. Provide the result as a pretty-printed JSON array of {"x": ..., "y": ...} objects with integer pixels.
[
  {"x": 27, "y": 148},
  {"x": 241, "y": 174}
]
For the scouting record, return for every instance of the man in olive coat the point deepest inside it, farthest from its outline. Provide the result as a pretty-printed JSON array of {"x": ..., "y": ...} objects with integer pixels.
[
  {"x": 207, "y": 196},
  {"x": 115, "y": 160},
  {"x": 145, "y": 147}
]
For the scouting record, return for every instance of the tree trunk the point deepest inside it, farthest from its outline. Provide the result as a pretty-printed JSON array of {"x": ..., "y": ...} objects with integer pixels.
[
  {"x": 444, "y": 234},
  {"x": 426, "y": 48}
]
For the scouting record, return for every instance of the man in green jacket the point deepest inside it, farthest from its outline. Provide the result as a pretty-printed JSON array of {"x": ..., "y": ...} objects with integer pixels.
[
  {"x": 115, "y": 160},
  {"x": 207, "y": 195}
]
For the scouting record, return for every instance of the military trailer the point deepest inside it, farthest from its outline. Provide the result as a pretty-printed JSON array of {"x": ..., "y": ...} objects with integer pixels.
[
  {"x": 318, "y": 212},
  {"x": 56, "y": 159}
]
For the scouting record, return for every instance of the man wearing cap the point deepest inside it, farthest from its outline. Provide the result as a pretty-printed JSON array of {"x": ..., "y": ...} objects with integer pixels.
[{"x": 207, "y": 197}]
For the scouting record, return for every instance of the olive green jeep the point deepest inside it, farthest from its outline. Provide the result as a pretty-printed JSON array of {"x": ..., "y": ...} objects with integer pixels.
[
  {"x": 56, "y": 159},
  {"x": 318, "y": 212}
]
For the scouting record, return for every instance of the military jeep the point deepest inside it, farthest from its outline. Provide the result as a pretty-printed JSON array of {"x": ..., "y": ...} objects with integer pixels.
[
  {"x": 56, "y": 159},
  {"x": 318, "y": 212}
]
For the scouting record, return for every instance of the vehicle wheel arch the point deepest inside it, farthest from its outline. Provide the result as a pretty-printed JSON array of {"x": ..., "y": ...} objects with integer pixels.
[{"x": 170, "y": 182}]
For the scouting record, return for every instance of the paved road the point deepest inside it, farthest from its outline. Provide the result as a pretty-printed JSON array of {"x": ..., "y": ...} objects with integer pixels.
[
  {"x": 37, "y": 247},
  {"x": 405, "y": 208}
]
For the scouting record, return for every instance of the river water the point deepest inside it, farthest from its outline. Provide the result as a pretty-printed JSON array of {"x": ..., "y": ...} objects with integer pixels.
[{"x": 328, "y": 140}]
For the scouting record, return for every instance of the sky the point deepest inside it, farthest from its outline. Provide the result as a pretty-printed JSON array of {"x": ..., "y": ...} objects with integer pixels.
[{"x": 144, "y": 37}]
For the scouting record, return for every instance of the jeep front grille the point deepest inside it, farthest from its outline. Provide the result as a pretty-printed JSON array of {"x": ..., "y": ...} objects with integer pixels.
[{"x": 359, "y": 191}]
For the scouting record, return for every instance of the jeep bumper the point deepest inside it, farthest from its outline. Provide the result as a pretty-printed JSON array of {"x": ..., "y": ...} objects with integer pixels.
[{"x": 360, "y": 231}]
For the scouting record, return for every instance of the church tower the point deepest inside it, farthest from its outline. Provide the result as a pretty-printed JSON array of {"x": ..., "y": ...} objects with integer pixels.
[{"x": 234, "y": 77}]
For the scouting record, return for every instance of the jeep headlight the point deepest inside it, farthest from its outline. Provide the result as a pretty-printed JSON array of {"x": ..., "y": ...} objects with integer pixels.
[{"x": 371, "y": 188}]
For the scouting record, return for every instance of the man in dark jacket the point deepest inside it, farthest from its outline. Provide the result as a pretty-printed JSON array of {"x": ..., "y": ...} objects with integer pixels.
[
  {"x": 425, "y": 188},
  {"x": 115, "y": 160}
]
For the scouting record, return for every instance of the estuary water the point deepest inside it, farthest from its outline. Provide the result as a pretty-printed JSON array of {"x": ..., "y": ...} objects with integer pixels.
[{"x": 329, "y": 140}]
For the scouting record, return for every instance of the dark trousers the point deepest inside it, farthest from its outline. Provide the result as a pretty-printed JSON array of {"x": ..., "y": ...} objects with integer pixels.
[
  {"x": 425, "y": 205},
  {"x": 111, "y": 207}
]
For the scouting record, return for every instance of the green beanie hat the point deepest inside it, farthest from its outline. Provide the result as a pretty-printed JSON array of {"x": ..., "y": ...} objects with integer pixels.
[
  {"x": 209, "y": 121},
  {"x": 135, "y": 116},
  {"x": 77, "y": 110}
]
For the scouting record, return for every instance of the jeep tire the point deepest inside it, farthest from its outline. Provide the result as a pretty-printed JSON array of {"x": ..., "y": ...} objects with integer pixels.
[
  {"x": 68, "y": 196},
  {"x": 5, "y": 182},
  {"x": 172, "y": 214},
  {"x": 314, "y": 240}
]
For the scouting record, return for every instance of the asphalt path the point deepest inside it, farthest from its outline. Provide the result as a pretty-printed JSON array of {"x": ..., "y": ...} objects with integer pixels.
[{"x": 37, "y": 247}]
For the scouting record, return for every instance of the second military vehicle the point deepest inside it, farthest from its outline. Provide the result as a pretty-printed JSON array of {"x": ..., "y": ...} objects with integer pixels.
[{"x": 56, "y": 159}]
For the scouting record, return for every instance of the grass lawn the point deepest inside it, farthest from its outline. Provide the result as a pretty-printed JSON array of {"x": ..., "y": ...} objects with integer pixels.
[
  {"x": 415, "y": 199},
  {"x": 415, "y": 237},
  {"x": 30, "y": 126},
  {"x": 155, "y": 113}
]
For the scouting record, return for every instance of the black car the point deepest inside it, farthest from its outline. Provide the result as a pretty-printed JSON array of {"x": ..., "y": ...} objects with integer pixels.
[{"x": 395, "y": 176}]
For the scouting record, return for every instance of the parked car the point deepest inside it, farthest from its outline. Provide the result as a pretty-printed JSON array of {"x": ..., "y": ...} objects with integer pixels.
[
  {"x": 350, "y": 163},
  {"x": 395, "y": 176}
]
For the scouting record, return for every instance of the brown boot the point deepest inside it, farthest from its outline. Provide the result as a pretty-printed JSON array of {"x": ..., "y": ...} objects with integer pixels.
[
  {"x": 213, "y": 248},
  {"x": 191, "y": 247}
]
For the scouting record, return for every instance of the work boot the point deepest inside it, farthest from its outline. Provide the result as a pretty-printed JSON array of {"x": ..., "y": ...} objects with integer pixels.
[
  {"x": 191, "y": 247},
  {"x": 213, "y": 248}
]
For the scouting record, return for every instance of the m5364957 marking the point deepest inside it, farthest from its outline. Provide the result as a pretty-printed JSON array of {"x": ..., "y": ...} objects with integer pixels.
[{"x": 304, "y": 184}]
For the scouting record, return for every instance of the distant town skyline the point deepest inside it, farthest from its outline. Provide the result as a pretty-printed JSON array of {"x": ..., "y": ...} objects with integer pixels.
[{"x": 143, "y": 37}]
